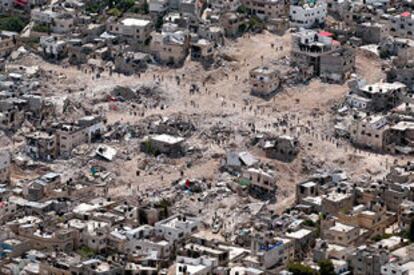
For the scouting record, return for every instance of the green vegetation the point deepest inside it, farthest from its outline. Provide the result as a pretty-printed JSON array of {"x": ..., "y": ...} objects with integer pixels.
[
  {"x": 381, "y": 237},
  {"x": 32, "y": 42},
  {"x": 41, "y": 28},
  {"x": 300, "y": 269},
  {"x": 244, "y": 182},
  {"x": 121, "y": 5},
  {"x": 158, "y": 23},
  {"x": 411, "y": 231},
  {"x": 256, "y": 24},
  {"x": 95, "y": 7},
  {"x": 309, "y": 223},
  {"x": 326, "y": 267},
  {"x": 114, "y": 12},
  {"x": 140, "y": 9},
  {"x": 86, "y": 252},
  {"x": 242, "y": 9},
  {"x": 242, "y": 28},
  {"x": 149, "y": 148},
  {"x": 12, "y": 23}
]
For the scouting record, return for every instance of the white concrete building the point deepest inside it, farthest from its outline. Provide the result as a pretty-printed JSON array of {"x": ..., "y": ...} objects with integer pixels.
[
  {"x": 309, "y": 14},
  {"x": 52, "y": 46},
  {"x": 264, "y": 180},
  {"x": 402, "y": 25},
  {"x": 195, "y": 266},
  {"x": 132, "y": 29},
  {"x": 176, "y": 227},
  {"x": 277, "y": 251},
  {"x": 93, "y": 234},
  {"x": 395, "y": 268}
]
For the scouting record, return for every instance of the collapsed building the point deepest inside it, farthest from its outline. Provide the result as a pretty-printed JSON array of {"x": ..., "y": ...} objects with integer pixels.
[
  {"x": 170, "y": 48},
  {"x": 163, "y": 144},
  {"x": 264, "y": 80},
  {"x": 377, "y": 97},
  {"x": 62, "y": 138},
  {"x": 283, "y": 148},
  {"x": 402, "y": 69}
]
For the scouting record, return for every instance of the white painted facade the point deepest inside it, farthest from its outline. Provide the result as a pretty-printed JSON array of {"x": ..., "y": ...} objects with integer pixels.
[{"x": 306, "y": 16}]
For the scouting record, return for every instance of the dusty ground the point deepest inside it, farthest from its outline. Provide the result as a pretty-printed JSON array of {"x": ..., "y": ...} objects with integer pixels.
[{"x": 223, "y": 98}]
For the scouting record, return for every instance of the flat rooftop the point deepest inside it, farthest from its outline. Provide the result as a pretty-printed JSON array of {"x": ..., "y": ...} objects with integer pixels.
[
  {"x": 136, "y": 22},
  {"x": 167, "y": 139}
]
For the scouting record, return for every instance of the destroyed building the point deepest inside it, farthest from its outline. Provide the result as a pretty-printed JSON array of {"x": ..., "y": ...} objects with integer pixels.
[
  {"x": 170, "y": 48},
  {"x": 377, "y": 97},
  {"x": 69, "y": 136},
  {"x": 130, "y": 63},
  {"x": 402, "y": 70},
  {"x": 258, "y": 178},
  {"x": 41, "y": 145},
  {"x": 163, "y": 144},
  {"x": 203, "y": 51},
  {"x": 264, "y": 80},
  {"x": 8, "y": 43},
  {"x": 53, "y": 47},
  {"x": 283, "y": 148}
]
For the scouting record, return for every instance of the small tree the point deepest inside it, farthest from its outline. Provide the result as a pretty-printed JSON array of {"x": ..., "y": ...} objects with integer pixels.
[
  {"x": 411, "y": 231},
  {"x": 326, "y": 267},
  {"x": 242, "y": 9},
  {"x": 12, "y": 23}
]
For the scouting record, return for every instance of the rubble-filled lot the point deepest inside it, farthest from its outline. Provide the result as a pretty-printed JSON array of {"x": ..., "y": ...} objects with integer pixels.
[{"x": 213, "y": 110}]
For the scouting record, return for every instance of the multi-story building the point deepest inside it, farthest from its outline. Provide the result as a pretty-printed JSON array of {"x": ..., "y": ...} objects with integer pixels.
[
  {"x": 308, "y": 13},
  {"x": 69, "y": 136},
  {"x": 133, "y": 30},
  {"x": 370, "y": 132},
  {"x": 341, "y": 234},
  {"x": 176, "y": 227},
  {"x": 368, "y": 260},
  {"x": 337, "y": 66},
  {"x": 264, "y": 180},
  {"x": 264, "y": 80},
  {"x": 5, "y": 163},
  {"x": 170, "y": 48},
  {"x": 268, "y": 253},
  {"x": 52, "y": 46},
  {"x": 334, "y": 202},
  {"x": 158, "y": 6},
  {"x": 402, "y": 69},
  {"x": 8, "y": 42},
  {"x": 319, "y": 51},
  {"x": 41, "y": 145},
  {"x": 226, "y": 5},
  {"x": 372, "y": 33},
  {"x": 267, "y": 9},
  {"x": 402, "y": 25}
]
